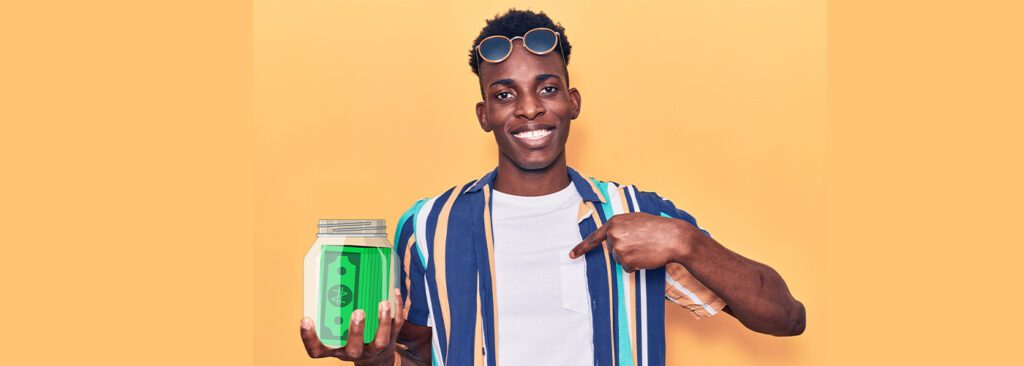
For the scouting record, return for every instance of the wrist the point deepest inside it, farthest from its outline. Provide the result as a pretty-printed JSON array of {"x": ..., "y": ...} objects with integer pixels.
[
  {"x": 688, "y": 242},
  {"x": 385, "y": 358}
]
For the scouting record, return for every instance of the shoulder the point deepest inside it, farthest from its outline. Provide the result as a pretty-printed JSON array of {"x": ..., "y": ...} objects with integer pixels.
[
  {"x": 634, "y": 199},
  {"x": 608, "y": 190},
  {"x": 434, "y": 204},
  {"x": 612, "y": 191},
  {"x": 450, "y": 194}
]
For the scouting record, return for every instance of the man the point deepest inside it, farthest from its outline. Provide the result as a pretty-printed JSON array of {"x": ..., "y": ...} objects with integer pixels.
[{"x": 535, "y": 262}]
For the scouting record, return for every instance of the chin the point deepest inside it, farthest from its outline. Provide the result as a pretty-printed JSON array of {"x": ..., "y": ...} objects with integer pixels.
[
  {"x": 532, "y": 167},
  {"x": 535, "y": 164}
]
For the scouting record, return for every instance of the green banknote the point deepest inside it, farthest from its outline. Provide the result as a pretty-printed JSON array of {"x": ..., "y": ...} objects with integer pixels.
[{"x": 351, "y": 277}]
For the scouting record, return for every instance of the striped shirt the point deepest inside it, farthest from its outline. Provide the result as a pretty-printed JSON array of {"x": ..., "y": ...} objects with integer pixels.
[{"x": 446, "y": 254}]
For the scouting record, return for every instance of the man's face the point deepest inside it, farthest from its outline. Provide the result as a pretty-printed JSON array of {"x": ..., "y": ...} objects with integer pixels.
[{"x": 528, "y": 107}]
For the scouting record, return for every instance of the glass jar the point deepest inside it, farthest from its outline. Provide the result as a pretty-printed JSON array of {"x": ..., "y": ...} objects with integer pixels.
[{"x": 349, "y": 267}]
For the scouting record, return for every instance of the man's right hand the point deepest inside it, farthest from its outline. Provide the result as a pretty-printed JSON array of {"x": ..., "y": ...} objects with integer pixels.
[{"x": 379, "y": 352}]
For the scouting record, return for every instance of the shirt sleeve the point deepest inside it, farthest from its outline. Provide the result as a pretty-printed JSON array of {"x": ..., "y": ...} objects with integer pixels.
[
  {"x": 411, "y": 274},
  {"x": 681, "y": 287}
]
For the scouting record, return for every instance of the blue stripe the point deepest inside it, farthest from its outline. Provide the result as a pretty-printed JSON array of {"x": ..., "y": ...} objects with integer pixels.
[
  {"x": 629, "y": 202},
  {"x": 461, "y": 264},
  {"x": 623, "y": 351},
  {"x": 486, "y": 292},
  {"x": 431, "y": 226},
  {"x": 414, "y": 295},
  {"x": 414, "y": 211},
  {"x": 464, "y": 258},
  {"x": 400, "y": 229},
  {"x": 600, "y": 299},
  {"x": 656, "y": 316},
  {"x": 639, "y": 326}
]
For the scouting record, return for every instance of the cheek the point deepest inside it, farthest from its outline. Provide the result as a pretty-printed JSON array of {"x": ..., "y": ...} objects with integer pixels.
[
  {"x": 561, "y": 109},
  {"x": 497, "y": 117}
]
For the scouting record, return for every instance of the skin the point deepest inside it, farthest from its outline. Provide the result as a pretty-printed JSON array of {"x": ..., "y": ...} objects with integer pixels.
[
  {"x": 529, "y": 91},
  {"x": 757, "y": 295},
  {"x": 380, "y": 350}
]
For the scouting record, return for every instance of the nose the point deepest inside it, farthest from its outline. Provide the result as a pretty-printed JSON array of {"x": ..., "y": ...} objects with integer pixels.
[{"x": 529, "y": 107}]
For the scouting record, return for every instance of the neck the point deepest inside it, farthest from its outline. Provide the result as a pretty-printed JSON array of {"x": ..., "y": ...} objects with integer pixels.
[{"x": 512, "y": 179}]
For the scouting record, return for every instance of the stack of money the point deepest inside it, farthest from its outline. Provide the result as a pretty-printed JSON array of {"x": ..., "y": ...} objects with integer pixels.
[{"x": 349, "y": 267}]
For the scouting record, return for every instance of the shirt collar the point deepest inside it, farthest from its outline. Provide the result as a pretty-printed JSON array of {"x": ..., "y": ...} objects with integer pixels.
[{"x": 585, "y": 186}]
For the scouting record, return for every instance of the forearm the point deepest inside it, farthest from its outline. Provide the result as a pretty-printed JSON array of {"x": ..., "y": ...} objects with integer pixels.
[{"x": 754, "y": 293}]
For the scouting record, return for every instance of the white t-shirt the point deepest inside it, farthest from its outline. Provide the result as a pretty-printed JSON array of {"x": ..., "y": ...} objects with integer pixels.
[{"x": 543, "y": 301}]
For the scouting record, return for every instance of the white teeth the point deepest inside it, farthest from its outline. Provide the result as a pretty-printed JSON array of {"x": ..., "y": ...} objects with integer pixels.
[{"x": 533, "y": 134}]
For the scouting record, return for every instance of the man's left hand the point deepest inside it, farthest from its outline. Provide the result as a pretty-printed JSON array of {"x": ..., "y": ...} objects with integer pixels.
[{"x": 642, "y": 241}]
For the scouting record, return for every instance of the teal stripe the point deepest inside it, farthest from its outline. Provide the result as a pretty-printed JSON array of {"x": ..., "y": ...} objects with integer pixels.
[
  {"x": 411, "y": 214},
  {"x": 624, "y": 351},
  {"x": 604, "y": 192},
  {"x": 405, "y": 217}
]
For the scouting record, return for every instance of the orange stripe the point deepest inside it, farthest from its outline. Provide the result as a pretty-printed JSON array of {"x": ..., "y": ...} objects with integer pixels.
[
  {"x": 490, "y": 254},
  {"x": 677, "y": 297},
  {"x": 583, "y": 211},
  {"x": 681, "y": 275},
  {"x": 440, "y": 248},
  {"x": 593, "y": 187},
  {"x": 408, "y": 277},
  {"x": 608, "y": 267},
  {"x": 622, "y": 197}
]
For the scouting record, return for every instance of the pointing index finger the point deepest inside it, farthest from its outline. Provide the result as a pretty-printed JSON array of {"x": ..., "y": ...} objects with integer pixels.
[{"x": 592, "y": 241}]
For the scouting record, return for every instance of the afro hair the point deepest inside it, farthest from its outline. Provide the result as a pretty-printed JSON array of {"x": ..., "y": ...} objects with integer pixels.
[{"x": 517, "y": 23}]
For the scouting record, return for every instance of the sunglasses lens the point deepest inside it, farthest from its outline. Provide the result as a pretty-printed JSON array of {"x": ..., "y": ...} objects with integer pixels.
[
  {"x": 494, "y": 49},
  {"x": 540, "y": 40}
]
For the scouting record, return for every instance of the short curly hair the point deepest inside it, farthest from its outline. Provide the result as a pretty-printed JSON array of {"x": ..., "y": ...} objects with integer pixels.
[{"x": 517, "y": 23}]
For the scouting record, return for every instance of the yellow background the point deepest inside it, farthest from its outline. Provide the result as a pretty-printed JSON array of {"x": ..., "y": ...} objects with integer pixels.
[
  {"x": 361, "y": 109},
  {"x": 164, "y": 164}
]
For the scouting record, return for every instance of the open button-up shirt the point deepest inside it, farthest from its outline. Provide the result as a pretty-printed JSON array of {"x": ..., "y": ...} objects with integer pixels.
[{"x": 445, "y": 250}]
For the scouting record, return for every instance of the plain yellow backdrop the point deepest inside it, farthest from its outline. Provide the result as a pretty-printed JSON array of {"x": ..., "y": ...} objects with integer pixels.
[
  {"x": 164, "y": 164},
  {"x": 361, "y": 109}
]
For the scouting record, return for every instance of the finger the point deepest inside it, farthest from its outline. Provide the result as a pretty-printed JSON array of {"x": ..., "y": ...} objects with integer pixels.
[
  {"x": 618, "y": 258},
  {"x": 593, "y": 240},
  {"x": 383, "y": 336},
  {"x": 399, "y": 319},
  {"x": 354, "y": 346},
  {"x": 314, "y": 347}
]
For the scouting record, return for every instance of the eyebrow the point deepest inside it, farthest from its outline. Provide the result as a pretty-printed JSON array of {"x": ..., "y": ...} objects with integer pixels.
[
  {"x": 539, "y": 77},
  {"x": 502, "y": 82},
  {"x": 547, "y": 76}
]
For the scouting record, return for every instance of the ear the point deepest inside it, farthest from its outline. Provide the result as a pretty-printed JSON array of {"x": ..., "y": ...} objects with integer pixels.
[
  {"x": 481, "y": 116},
  {"x": 577, "y": 101}
]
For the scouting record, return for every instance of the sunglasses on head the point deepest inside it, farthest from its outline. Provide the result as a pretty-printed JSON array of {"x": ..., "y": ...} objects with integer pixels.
[{"x": 540, "y": 41}]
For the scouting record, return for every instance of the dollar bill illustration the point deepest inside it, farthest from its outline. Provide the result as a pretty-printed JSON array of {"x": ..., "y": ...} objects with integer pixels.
[{"x": 351, "y": 277}]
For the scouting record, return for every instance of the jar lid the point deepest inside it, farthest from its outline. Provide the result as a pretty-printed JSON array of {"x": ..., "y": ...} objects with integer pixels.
[{"x": 374, "y": 227}]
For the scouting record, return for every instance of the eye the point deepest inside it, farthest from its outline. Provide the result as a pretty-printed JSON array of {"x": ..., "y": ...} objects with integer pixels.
[
  {"x": 548, "y": 90},
  {"x": 503, "y": 96}
]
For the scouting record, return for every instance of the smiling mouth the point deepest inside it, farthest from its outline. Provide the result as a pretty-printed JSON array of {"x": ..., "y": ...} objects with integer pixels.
[{"x": 533, "y": 135}]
